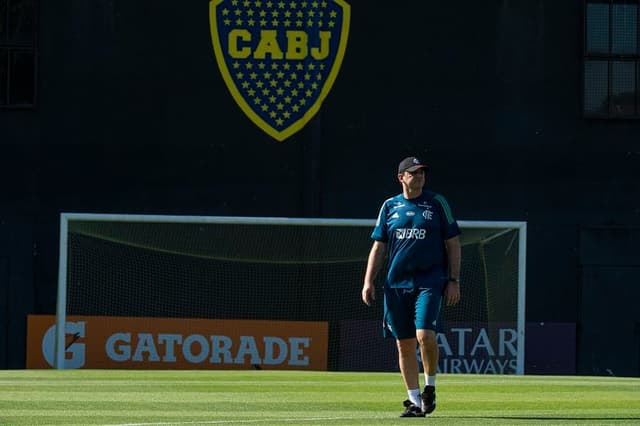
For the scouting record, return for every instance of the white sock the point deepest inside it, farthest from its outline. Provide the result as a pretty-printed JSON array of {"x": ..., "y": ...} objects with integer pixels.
[
  {"x": 414, "y": 396},
  {"x": 430, "y": 380}
]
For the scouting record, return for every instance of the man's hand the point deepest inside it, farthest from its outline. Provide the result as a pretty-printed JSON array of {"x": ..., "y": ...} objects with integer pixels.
[
  {"x": 368, "y": 293},
  {"x": 374, "y": 264},
  {"x": 451, "y": 293}
]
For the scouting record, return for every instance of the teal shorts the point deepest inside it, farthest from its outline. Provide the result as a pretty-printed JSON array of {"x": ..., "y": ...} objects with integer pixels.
[{"x": 409, "y": 309}]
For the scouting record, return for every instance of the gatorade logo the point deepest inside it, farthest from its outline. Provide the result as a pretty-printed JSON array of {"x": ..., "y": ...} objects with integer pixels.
[
  {"x": 74, "y": 350},
  {"x": 174, "y": 343}
]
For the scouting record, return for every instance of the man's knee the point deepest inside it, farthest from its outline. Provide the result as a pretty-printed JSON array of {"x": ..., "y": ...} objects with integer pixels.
[
  {"x": 426, "y": 338},
  {"x": 406, "y": 346}
]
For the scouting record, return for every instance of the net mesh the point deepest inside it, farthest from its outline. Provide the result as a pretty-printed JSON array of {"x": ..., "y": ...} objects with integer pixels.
[{"x": 299, "y": 272}]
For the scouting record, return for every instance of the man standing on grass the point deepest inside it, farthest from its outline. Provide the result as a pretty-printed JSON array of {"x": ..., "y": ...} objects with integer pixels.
[{"x": 418, "y": 236}]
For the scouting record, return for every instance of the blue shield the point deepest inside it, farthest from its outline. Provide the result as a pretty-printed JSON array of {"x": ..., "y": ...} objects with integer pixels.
[{"x": 279, "y": 58}]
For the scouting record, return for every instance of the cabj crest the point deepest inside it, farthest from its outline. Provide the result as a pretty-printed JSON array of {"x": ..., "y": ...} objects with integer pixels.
[{"x": 279, "y": 58}]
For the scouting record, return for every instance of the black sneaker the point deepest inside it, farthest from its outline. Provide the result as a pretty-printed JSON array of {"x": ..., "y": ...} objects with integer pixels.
[
  {"x": 428, "y": 399},
  {"x": 411, "y": 410}
]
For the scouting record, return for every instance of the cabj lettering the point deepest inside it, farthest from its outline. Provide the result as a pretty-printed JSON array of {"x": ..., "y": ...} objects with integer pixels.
[{"x": 240, "y": 45}]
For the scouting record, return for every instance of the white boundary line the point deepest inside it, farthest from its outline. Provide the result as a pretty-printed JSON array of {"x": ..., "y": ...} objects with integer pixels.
[{"x": 222, "y": 422}]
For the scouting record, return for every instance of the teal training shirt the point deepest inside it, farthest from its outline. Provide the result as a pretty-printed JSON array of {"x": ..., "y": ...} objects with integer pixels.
[{"x": 414, "y": 231}]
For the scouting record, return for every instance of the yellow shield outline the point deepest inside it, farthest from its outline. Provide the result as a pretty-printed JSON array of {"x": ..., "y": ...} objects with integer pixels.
[{"x": 241, "y": 101}]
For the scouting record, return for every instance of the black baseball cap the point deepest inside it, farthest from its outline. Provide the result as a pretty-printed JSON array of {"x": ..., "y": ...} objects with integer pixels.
[{"x": 411, "y": 164}]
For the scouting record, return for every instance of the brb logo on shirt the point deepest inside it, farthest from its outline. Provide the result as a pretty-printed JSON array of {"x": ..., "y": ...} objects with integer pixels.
[{"x": 411, "y": 234}]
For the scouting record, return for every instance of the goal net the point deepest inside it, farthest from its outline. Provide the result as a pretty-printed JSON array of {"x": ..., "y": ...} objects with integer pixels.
[{"x": 285, "y": 269}]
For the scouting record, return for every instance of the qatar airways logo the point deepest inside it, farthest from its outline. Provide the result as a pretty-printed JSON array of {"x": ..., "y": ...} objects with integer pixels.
[
  {"x": 411, "y": 234},
  {"x": 471, "y": 350}
]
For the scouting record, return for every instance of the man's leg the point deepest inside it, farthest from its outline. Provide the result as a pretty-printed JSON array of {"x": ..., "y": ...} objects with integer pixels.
[
  {"x": 429, "y": 353},
  {"x": 399, "y": 322},
  {"x": 409, "y": 370},
  {"x": 408, "y": 362}
]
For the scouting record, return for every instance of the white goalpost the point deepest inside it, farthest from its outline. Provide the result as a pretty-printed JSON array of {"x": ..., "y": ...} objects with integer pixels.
[{"x": 299, "y": 269}]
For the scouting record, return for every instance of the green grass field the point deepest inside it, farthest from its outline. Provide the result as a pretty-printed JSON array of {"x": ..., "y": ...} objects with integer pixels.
[{"x": 107, "y": 397}]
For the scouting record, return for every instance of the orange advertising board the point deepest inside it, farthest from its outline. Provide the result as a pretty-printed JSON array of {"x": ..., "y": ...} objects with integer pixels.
[{"x": 167, "y": 343}]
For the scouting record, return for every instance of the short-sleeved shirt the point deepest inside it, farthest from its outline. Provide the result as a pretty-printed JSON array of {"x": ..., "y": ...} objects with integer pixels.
[{"x": 414, "y": 231}]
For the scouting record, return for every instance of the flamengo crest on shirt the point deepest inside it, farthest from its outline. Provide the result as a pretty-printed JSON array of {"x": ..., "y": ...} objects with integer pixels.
[{"x": 279, "y": 58}]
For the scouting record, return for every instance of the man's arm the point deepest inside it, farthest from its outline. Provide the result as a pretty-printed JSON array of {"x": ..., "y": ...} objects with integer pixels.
[
  {"x": 375, "y": 262},
  {"x": 452, "y": 289}
]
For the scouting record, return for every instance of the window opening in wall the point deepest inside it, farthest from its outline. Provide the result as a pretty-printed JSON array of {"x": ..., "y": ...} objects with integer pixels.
[{"x": 611, "y": 59}]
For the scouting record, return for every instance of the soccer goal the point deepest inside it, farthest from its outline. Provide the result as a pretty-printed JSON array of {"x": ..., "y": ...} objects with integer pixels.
[{"x": 281, "y": 269}]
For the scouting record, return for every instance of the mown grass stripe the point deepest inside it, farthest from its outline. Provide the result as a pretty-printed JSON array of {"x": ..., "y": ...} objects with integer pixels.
[{"x": 147, "y": 398}]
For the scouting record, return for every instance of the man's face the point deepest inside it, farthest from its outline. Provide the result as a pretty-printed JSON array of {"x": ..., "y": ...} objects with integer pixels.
[{"x": 413, "y": 180}]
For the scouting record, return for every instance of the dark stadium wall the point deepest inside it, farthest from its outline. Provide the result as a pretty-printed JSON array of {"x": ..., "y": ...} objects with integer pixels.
[{"x": 133, "y": 116}]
